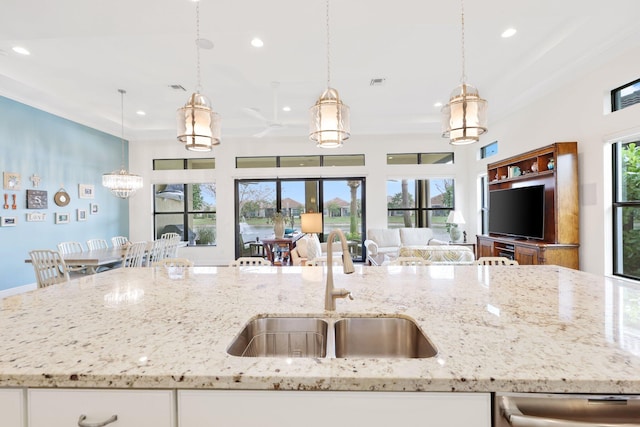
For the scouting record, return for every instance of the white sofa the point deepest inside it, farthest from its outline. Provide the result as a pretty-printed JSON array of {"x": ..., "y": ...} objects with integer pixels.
[
  {"x": 406, "y": 241},
  {"x": 387, "y": 241}
]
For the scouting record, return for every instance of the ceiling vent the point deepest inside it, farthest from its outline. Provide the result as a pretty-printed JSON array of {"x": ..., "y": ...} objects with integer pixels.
[
  {"x": 178, "y": 87},
  {"x": 377, "y": 82}
]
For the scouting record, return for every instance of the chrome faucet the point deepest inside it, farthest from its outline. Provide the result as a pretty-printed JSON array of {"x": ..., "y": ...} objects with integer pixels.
[{"x": 331, "y": 294}]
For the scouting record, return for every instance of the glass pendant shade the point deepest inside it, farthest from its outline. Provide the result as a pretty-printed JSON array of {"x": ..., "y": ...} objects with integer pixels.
[
  {"x": 198, "y": 124},
  {"x": 121, "y": 183},
  {"x": 464, "y": 119},
  {"x": 329, "y": 120}
]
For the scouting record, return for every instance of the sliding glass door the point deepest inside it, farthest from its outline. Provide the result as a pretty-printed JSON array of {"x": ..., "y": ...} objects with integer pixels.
[{"x": 339, "y": 199}]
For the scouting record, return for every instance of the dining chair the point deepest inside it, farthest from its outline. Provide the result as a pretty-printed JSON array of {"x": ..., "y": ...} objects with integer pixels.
[
  {"x": 157, "y": 251},
  {"x": 496, "y": 260},
  {"x": 249, "y": 261},
  {"x": 135, "y": 255},
  {"x": 119, "y": 241},
  {"x": 410, "y": 260},
  {"x": 173, "y": 262},
  {"x": 97, "y": 244},
  {"x": 72, "y": 248},
  {"x": 49, "y": 267},
  {"x": 171, "y": 244}
]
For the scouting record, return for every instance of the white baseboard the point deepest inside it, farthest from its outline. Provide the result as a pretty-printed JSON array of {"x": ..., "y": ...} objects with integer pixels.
[{"x": 18, "y": 290}]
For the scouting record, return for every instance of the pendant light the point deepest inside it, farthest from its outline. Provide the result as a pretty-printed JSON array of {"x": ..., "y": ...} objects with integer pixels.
[
  {"x": 329, "y": 117},
  {"x": 464, "y": 118},
  {"x": 198, "y": 124},
  {"x": 121, "y": 183}
]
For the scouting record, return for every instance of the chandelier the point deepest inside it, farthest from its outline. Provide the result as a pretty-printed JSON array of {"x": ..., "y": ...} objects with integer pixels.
[
  {"x": 464, "y": 118},
  {"x": 121, "y": 183},
  {"x": 198, "y": 124},
  {"x": 329, "y": 117}
]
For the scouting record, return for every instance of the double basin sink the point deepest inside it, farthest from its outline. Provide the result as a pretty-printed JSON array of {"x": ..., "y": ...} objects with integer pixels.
[{"x": 327, "y": 337}]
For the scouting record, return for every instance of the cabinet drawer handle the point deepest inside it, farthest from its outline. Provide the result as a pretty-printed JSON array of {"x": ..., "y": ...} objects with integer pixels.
[{"x": 82, "y": 423}]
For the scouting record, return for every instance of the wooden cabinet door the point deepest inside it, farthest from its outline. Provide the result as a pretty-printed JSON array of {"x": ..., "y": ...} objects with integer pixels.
[
  {"x": 485, "y": 248},
  {"x": 526, "y": 255}
]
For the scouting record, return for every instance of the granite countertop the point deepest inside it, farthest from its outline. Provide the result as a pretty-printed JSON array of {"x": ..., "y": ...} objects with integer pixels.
[{"x": 511, "y": 328}]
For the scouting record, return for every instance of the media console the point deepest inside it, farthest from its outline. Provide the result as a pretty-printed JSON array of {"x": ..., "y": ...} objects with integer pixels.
[{"x": 556, "y": 167}]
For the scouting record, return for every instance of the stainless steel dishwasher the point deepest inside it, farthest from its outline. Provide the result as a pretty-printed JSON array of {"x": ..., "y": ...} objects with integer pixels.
[{"x": 566, "y": 410}]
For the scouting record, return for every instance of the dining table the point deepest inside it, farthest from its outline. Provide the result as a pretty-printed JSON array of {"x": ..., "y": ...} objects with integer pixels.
[{"x": 94, "y": 259}]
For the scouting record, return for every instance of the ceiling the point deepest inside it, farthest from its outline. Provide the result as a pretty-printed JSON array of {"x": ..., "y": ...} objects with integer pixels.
[{"x": 82, "y": 52}]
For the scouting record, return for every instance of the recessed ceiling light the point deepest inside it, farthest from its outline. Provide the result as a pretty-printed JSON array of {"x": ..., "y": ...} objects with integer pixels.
[
  {"x": 21, "y": 50},
  {"x": 256, "y": 42},
  {"x": 286, "y": 108},
  {"x": 438, "y": 104},
  {"x": 141, "y": 113},
  {"x": 508, "y": 33}
]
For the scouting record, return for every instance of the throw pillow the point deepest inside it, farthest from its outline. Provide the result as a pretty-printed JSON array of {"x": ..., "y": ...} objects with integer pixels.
[
  {"x": 301, "y": 247},
  {"x": 314, "y": 250}
]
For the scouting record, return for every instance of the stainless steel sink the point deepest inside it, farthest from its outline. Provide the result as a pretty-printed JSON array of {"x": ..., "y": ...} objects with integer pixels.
[
  {"x": 281, "y": 337},
  {"x": 381, "y": 337},
  {"x": 370, "y": 337}
]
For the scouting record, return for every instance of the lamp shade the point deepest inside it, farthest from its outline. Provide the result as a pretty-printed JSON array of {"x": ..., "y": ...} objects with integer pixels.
[
  {"x": 311, "y": 222},
  {"x": 329, "y": 120},
  {"x": 464, "y": 118},
  {"x": 455, "y": 217},
  {"x": 198, "y": 124}
]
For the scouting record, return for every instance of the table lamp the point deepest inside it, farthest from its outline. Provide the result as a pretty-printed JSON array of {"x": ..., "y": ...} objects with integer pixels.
[
  {"x": 311, "y": 222},
  {"x": 455, "y": 218}
]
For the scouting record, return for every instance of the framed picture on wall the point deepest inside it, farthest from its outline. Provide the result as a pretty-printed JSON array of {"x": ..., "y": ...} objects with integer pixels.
[
  {"x": 94, "y": 209},
  {"x": 82, "y": 214},
  {"x": 62, "y": 218},
  {"x": 8, "y": 221},
  {"x": 11, "y": 181},
  {"x": 86, "y": 191},
  {"x": 36, "y": 199}
]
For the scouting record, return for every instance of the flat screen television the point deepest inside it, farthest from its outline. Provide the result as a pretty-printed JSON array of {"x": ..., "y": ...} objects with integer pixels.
[{"x": 517, "y": 212}]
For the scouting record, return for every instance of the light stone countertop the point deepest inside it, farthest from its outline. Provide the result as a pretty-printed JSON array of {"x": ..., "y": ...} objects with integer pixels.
[{"x": 504, "y": 328}]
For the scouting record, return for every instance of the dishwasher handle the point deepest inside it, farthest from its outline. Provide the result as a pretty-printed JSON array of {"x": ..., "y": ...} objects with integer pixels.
[{"x": 509, "y": 410}]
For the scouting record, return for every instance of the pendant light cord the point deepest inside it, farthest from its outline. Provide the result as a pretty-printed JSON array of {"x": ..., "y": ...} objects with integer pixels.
[
  {"x": 464, "y": 75},
  {"x": 198, "y": 87},
  {"x": 328, "y": 48},
  {"x": 122, "y": 92}
]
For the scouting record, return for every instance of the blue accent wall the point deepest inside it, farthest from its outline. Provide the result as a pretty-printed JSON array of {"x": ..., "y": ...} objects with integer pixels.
[{"x": 63, "y": 154}]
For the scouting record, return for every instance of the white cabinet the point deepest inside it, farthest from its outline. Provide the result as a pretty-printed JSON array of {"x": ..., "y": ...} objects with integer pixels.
[
  {"x": 134, "y": 408},
  {"x": 12, "y": 407},
  {"x": 197, "y": 408}
]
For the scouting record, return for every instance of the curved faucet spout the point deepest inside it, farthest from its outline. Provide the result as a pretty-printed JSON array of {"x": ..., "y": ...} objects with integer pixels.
[{"x": 331, "y": 294}]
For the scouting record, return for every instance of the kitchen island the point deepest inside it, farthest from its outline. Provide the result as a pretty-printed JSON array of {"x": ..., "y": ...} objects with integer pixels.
[{"x": 502, "y": 328}]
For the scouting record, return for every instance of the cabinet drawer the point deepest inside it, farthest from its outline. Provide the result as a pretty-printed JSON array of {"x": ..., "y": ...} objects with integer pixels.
[
  {"x": 12, "y": 407},
  {"x": 134, "y": 408},
  {"x": 198, "y": 408}
]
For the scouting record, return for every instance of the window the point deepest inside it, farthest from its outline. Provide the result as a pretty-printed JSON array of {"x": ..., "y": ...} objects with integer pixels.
[
  {"x": 420, "y": 203},
  {"x": 625, "y": 96},
  {"x": 186, "y": 209},
  {"x": 484, "y": 204},
  {"x": 178, "y": 164},
  {"x": 299, "y": 161},
  {"x": 419, "y": 158},
  {"x": 489, "y": 150},
  {"x": 626, "y": 209}
]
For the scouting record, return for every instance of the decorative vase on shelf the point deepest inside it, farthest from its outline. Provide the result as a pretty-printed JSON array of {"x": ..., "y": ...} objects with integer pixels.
[
  {"x": 551, "y": 164},
  {"x": 278, "y": 228}
]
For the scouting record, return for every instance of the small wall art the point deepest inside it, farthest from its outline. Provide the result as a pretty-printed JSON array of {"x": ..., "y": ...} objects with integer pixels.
[
  {"x": 82, "y": 214},
  {"x": 36, "y": 199},
  {"x": 36, "y": 217},
  {"x": 94, "y": 209},
  {"x": 8, "y": 221},
  {"x": 11, "y": 181},
  {"x": 62, "y": 218},
  {"x": 86, "y": 191}
]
